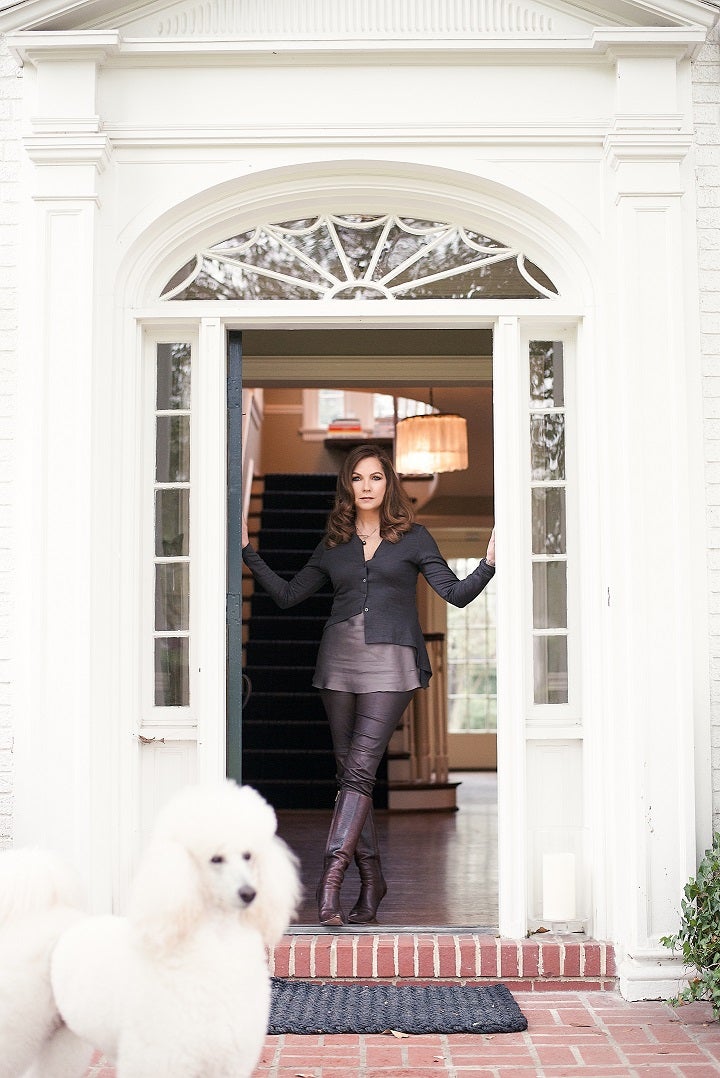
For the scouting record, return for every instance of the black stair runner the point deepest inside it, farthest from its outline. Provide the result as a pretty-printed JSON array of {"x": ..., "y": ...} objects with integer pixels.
[{"x": 287, "y": 751}]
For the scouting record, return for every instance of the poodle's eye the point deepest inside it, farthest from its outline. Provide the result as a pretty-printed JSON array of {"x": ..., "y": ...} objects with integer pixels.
[
  {"x": 247, "y": 857},
  {"x": 218, "y": 859}
]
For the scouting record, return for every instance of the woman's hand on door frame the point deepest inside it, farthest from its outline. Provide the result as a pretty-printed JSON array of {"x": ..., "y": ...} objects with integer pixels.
[{"x": 490, "y": 555}]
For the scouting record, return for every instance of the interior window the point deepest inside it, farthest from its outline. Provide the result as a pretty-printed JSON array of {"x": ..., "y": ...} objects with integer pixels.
[{"x": 471, "y": 662}]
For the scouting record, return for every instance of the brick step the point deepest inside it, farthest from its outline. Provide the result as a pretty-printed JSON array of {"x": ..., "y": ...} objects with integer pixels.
[{"x": 541, "y": 963}]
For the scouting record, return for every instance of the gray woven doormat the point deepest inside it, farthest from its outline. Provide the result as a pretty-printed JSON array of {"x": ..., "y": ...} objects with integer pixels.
[{"x": 306, "y": 1007}]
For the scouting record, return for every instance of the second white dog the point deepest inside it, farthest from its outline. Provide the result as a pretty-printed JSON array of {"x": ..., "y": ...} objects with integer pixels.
[
  {"x": 39, "y": 900},
  {"x": 180, "y": 987}
]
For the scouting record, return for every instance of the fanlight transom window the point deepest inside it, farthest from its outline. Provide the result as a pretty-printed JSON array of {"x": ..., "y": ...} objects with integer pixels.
[{"x": 357, "y": 256}]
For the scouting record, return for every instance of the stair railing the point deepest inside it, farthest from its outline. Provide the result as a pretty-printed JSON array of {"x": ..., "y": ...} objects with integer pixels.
[{"x": 427, "y": 717}]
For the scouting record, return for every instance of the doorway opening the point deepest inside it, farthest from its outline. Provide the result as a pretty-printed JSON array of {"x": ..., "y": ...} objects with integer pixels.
[{"x": 285, "y": 743}]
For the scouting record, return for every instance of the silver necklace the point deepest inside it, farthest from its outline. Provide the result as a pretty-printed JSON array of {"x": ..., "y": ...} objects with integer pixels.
[{"x": 366, "y": 535}]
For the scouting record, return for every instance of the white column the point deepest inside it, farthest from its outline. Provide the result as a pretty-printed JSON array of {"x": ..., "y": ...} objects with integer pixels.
[
  {"x": 64, "y": 742},
  {"x": 654, "y": 531},
  {"x": 511, "y": 475}
]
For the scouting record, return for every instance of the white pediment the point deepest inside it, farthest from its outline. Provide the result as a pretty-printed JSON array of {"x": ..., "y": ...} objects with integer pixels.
[
  {"x": 326, "y": 20},
  {"x": 344, "y": 21}
]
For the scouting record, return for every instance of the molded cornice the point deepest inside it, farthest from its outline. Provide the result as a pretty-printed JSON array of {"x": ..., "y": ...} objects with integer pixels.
[{"x": 32, "y": 47}]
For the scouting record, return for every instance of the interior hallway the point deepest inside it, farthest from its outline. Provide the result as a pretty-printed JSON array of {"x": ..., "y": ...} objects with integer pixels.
[{"x": 441, "y": 868}]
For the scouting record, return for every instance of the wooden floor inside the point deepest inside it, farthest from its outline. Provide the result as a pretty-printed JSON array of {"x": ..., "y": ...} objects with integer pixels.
[{"x": 441, "y": 868}]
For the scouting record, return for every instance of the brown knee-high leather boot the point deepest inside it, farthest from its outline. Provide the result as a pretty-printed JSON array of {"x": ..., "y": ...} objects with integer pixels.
[
  {"x": 351, "y": 808},
  {"x": 373, "y": 887}
]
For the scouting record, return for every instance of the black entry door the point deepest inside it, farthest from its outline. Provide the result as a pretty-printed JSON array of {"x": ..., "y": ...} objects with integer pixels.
[{"x": 234, "y": 557}]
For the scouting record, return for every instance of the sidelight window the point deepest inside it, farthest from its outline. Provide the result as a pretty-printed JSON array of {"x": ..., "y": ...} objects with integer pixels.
[
  {"x": 172, "y": 526},
  {"x": 548, "y": 482}
]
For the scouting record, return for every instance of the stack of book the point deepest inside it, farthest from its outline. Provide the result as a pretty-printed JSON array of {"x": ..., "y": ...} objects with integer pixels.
[{"x": 345, "y": 425}]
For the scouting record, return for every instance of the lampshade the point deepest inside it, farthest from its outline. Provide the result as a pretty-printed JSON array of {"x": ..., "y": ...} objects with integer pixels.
[{"x": 431, "y": 443}]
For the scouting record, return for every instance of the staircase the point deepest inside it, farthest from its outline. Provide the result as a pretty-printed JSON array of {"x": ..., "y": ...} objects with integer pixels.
[{"x": 286, "y": 746}]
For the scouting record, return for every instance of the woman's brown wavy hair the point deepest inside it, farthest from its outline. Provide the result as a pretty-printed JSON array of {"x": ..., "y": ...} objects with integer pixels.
[{"x": 396, "y": 511}]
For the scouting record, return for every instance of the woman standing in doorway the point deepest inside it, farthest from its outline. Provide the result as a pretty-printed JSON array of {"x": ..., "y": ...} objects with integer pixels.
[{"x": 372, "y": 655}]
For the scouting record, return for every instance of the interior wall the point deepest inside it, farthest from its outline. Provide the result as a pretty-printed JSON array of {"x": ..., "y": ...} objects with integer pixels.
[{"x": 465, "y": 493}]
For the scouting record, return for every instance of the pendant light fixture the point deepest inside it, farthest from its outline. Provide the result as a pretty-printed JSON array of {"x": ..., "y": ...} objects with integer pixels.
[{"x": 426, "y": 444}]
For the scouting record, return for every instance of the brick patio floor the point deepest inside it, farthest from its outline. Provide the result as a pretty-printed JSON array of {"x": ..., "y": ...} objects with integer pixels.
[{"x": 570, "y": 1035}]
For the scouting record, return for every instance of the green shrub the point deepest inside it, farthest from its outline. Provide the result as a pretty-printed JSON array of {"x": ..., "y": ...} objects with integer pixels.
[{"x": 699, "y": 934}]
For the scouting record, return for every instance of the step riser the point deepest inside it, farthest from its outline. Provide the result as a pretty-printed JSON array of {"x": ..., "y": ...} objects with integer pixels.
[
  {"x": 285, "y": 562},
  {"x": 269, "y": 652},
  {"x": 268, "y": 764},
  {"x": 553, "y": 964},
  {"x": 288, "y": 708},
  {"x": 286, "y": 540},
  {"x": 289, "y": 679},
  {"x": 317, "y": 606},
  {"x": 276, "y": 628},
  {"x": 311, "y": 501},
  {"x": 295, "y": 481},
  {"x": 279, "y": 735},
  {"x": 302, "y": 519}
]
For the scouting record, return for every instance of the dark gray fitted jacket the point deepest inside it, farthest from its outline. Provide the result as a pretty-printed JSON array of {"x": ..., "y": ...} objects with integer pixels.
[{"x": 383, "y": 588}]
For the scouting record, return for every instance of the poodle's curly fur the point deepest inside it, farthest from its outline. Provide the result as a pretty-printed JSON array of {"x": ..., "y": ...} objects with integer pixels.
[
  {"x": 40, "y": 898},
  {"x": 179, "y": 988}
]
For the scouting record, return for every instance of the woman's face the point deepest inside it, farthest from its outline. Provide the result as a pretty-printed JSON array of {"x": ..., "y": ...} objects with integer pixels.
[{"x": 369, "y": 484}]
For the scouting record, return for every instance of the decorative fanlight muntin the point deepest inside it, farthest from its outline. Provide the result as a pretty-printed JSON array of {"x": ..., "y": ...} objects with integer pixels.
[{"x": 358, "y": 256}]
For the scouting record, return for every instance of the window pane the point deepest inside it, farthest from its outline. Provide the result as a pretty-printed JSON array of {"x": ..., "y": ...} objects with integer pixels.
[
  {"x": 172, "y": 664},
  {"x": 457, "y": 709},
  {"x": 548, "y": 520},
  {"x": 550, "y": 666},
  {"x": 547, "y": 435},
  {"x": 173, "y": 376},
  {"x": 172, "y": 591},
  {"x": 383, "y": 405},
  {"x": 172, "y": 522},
  {"x": 501, "y": 280},
  {"x": 172, "y": 449},
  {"x": 331, "y": 405},
  {"x": 547, "y": 376},
  {"x": 457, "y": 679},
  {"x": 550, "y": 595}
]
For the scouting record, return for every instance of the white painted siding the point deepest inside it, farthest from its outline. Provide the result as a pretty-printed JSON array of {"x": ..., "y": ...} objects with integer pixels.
[
  {"x": 10, "y": 89},
  {"x": 706, "y": 98}
]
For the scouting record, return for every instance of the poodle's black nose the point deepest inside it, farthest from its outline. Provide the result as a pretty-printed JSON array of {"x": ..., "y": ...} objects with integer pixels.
[{"x": 247, "y": 894}]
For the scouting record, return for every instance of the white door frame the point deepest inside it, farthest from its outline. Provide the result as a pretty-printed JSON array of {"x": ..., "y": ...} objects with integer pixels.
[{"x": 208, "y": 524}]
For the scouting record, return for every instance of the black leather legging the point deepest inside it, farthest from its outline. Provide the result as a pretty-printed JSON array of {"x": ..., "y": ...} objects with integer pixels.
[{"x": 361, "y": 725}]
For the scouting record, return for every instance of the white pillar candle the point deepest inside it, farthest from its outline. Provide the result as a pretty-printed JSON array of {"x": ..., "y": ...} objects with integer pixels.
[{"x": 558, "y": 892}]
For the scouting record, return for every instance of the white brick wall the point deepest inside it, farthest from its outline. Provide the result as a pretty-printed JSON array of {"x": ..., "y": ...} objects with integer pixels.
[
  {"x": 10, "y": 88},
  {"x": 706, "y": 97}
]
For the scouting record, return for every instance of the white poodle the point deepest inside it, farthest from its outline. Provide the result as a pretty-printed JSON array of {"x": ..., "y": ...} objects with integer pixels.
[
  {"x": 39, "y": 900},
  {"x": 180, "y": 987}
]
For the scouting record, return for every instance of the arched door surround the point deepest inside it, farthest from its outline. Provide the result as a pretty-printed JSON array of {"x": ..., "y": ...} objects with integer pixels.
[{"x": 166, "y": 752}]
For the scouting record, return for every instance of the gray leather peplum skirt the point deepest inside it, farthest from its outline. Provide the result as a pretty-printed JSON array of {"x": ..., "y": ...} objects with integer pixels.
[{"x": 346, "y": 663}]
